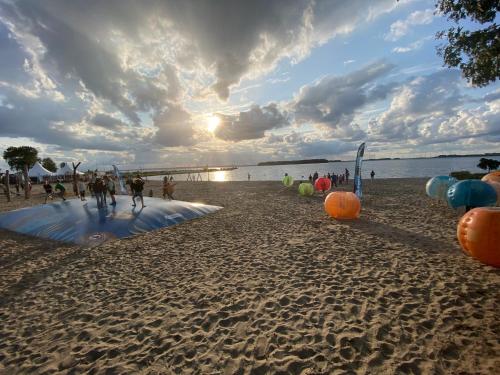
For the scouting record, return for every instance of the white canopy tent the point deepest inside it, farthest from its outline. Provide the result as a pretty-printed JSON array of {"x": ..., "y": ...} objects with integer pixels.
[
  {"x": 67, "y": 169},
  {"x": 39, "y": 172}
]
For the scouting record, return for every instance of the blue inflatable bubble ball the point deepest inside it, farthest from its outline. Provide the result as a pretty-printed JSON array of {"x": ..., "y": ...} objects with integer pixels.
[
  {"x": 437, "y": 187},
  {"x": 471, "y": 193}
]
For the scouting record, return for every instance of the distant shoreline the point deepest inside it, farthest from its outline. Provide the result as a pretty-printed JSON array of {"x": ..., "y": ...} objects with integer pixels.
[
  {"x": 321, "y": 161},
  {"x": 290, "y": 162}
]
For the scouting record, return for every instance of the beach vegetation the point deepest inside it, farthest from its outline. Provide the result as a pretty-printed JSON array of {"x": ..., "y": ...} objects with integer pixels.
[
  {"x": 476, "y": 52},
  {"x": 20, "y": 157},
  {"x": 488, "y": 164},
  {"x": 49, "y": 164},
  {"x": 466, "y": 175}
]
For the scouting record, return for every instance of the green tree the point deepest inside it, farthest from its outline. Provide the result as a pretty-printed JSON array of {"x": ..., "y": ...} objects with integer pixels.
[
  {"x": 19, "y": 157},
  {"x": 489, "y": 164},
  {"x": 477, "y": 52},
  {"x": 49, "y": 164}
]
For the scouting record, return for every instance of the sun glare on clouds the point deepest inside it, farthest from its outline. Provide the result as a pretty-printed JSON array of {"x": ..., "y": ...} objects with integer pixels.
[{"x": 212, "y": 123}]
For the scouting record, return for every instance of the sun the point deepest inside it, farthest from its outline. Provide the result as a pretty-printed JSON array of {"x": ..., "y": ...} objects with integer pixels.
[{"x": 212, "y": 123}]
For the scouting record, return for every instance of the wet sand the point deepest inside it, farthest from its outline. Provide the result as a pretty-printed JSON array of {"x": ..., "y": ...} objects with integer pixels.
[{"x": 268, "y": 285}]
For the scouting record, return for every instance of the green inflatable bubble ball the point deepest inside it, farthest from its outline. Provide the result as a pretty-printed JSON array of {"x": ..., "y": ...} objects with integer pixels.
[
  {"x": 288, "y": 181},
  {"x": 306, "y": 189}
]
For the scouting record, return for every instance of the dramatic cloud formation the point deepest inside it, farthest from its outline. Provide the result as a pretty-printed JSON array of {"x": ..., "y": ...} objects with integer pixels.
[
  {"x": 333, "y": 101},
  {"x": 106, "y": 121},
  {"x": 135, "y": 81},
  {"x": 429, "y": 109},
  {"x": 251, "y": 124},
  {"x": 174, "y": 127}
]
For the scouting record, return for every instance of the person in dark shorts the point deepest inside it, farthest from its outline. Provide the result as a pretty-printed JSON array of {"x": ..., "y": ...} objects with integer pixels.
[
  {"x": 334, "y": 179},
  {"x": 48, "y": 190},
  {"x": 98, "y": 188},
  {"x": 61, "y": 188},
  {"x": 91, "y": 183},
  {"x": 372, "y": 174},
  {"x": 137, "y": 186},
  {"x": 315, "y": 177}
]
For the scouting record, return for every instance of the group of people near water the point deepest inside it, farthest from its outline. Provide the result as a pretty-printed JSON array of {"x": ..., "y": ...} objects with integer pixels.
[
  {"x": 337, "y": 179},
  {"x": 100, "y": 186}
]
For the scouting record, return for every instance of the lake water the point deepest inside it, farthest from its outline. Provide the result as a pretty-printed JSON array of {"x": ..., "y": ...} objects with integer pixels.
[{"x": 382, "y": 169}]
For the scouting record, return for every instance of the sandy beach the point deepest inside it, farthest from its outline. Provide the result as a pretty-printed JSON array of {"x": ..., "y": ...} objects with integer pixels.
[{"x": 268, "y": 285}]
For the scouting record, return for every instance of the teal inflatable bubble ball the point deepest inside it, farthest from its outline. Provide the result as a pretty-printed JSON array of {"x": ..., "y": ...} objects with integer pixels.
[
  {"x": 471, "y": 193},
  {"x": 288, "y": 181},
  {"x": 306, "y": 189},
  {"x": 437, "y": 187}
]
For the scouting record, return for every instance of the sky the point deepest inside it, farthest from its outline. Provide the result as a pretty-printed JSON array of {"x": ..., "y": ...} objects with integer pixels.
[{"x": 194, "y": 83}]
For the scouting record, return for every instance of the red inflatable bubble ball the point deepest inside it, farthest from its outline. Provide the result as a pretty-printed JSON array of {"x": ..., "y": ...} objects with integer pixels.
[
  {"x": 343, "y": 205},
  {"x": 478, "y": 232},
  {"x": 492, "y": 176},
  {"x": 323, "y": 184}
]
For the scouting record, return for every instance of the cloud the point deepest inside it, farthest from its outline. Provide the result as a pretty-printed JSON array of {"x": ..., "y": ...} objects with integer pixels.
[
  {"x": 401, "y": 27},
  {"x": 333, "y": 101},
  {"x": 61, "y": 123},
  {"x": 228, "y": 39},
  {"x": 174, "y": 127},
  {"x": 492, "y": 96},
  {"x": 133, "y": 77},
  {"x": 431, "y": 109},
  {"x": 251, "y": 124},
  {"x": 106, "y": 121},
  {"x": 412, "y": 46}
]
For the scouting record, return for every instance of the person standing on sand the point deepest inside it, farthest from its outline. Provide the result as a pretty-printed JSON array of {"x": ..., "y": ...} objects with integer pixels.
[
  {"x": 137, "y": 186},
  {"x": 48, "y": 190},
  {"x": 16, "y": 182},
  {"x": 334, "y": 179},
  {"x": 168, "y": 189},
  {"x": 315, "y": 177},
  {"x": 372, "y": 174},
  {"x": 249, "y": 177},
  {"x": 310, "y": 179},
  {"x": 165, "y": 185},
  {"x": 347, "y": 176}
]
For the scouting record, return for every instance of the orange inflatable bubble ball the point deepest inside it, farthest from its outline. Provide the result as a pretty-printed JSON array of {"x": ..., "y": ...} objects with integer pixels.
[
  {"x": 492, "y": 176},
  {"x": 343, "y": 205},
  {"x": 478, "y": 232},
  {"x": 495, "y": 185}
]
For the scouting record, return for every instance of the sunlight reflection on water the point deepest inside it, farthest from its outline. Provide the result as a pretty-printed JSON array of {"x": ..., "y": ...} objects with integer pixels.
[{"x": 220, "y": 176}]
